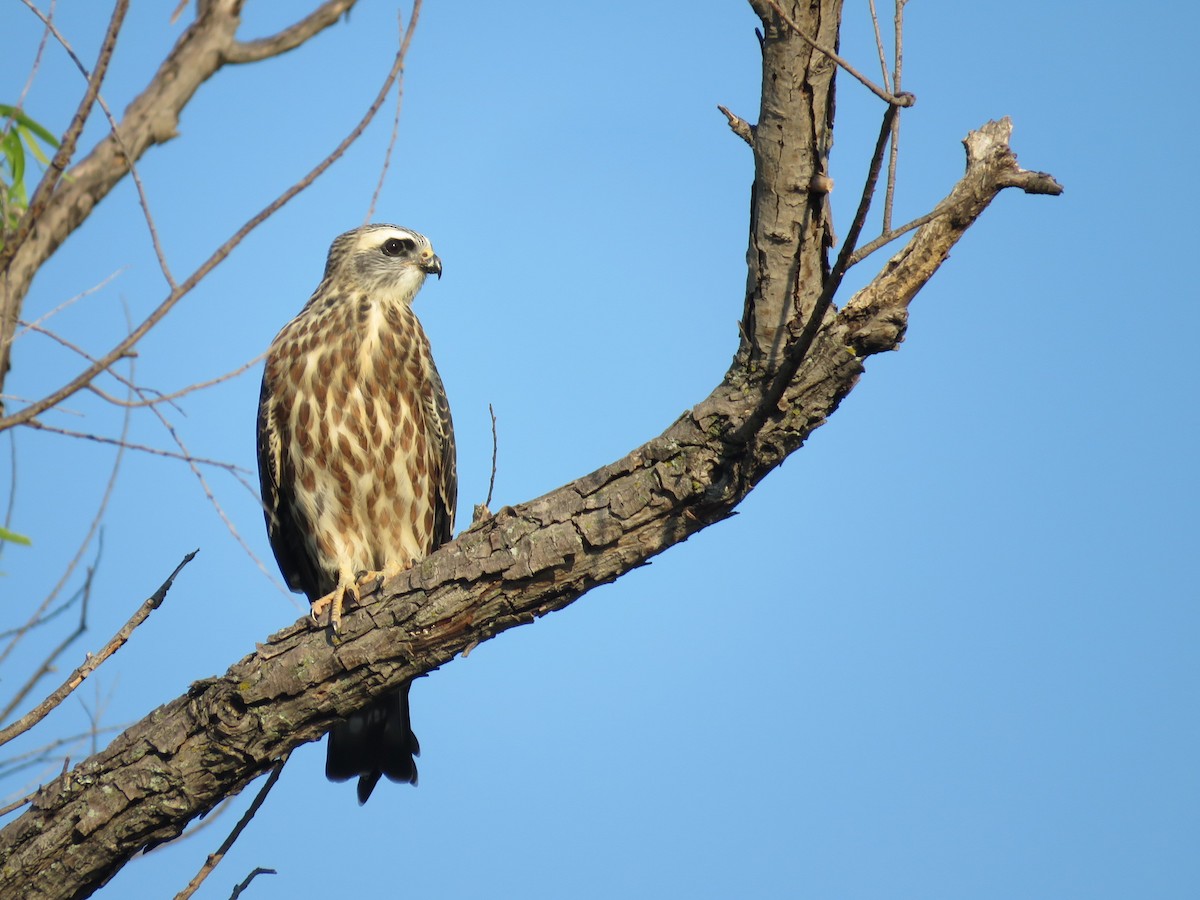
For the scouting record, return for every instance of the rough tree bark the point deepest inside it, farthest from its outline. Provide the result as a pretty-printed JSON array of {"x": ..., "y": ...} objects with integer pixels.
[{"x": 525, "y": 561}]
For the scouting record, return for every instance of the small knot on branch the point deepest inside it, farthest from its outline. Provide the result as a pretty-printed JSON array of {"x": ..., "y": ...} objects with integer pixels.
[
  {"x": 820, "y": 184},
  {"x": 739, "y": 126}
]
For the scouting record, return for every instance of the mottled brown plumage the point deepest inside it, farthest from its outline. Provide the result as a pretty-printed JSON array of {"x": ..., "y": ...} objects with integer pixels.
[{"x": 356, "y": 457}]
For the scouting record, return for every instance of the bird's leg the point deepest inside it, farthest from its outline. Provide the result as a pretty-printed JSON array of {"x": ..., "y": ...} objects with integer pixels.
[
  {"x": 351, "y": 584},
  {"x": 335, "y": 599}
]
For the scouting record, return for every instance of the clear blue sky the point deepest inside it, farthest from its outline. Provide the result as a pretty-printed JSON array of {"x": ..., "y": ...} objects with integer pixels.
[{"x": 948, "y": 650}]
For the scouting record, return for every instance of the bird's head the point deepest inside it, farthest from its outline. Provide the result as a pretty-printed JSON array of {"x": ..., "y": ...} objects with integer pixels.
[{"x": 383, "y": 260}]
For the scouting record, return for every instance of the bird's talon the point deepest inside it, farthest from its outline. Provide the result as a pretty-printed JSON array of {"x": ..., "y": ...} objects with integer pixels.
[{"x": 331, "y": 601}]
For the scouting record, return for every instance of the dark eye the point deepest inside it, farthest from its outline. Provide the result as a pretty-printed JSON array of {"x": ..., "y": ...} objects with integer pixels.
[{"x": 398, "y": 246}]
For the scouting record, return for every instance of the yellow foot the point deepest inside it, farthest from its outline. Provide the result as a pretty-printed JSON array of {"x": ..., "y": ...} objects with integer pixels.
[
  {"x": 333, "y": 601},
  {"x": 350, "y": 586}
]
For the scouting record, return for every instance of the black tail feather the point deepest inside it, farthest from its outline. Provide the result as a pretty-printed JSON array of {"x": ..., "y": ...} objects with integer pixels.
[{"x": 374, "y": 742}]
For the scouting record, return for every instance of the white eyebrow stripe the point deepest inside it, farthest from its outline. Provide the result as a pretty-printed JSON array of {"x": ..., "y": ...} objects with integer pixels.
[{"x": 375, "y": 237}]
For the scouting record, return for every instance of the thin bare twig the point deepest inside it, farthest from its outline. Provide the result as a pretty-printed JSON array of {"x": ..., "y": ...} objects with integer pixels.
[
  {"x": 160, "y": 397},
  {"x": 834, "y": 281},
  {"x": 871, "y": 246},
  {"x": 128, "y": 404},
  {"x": 40, "y": 757},
  {"x": 109, "y": 487},
  {"x": 48, "y": 617},
  {"x": 47, "y": 665},
  {"x": 184, "y": 454},
  {"x": 260, "y": 870},
  {"x": 214, "y": 859},
  {"x": 37, "y": 60},
  {"x": 79, "y": 351},
  {"x": 894, "y": 150},
  {"x": 888, "y": 97},
  {"x": 887, "y": 84},
  {"x": 208, "y": 491},
  {"x": 93, "y": 661},
  {"x": 116, "y": 134},
  {"x": 495, "y": 450},
  {"x": 387, "y": 156},
  {"x": 13, "y": 764},
  {"x": 143, "y": 201},
  {"x": 212, "y": 498},
  {"x": 64, "y": 410},
  {"x": 483, "y": 510},
  {"x": 60, "y": 340},
  {"x": 26, "y": 326},
  {"x": 17, "y": 804},
  {"x": 96, "y": 712},
  {"x": 39, "y": 613},
  {"x": 140, "y": 448},
  {"x": 121, "y": 348}
]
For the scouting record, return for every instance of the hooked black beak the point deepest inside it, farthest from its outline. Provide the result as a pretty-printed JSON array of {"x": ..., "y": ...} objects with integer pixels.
[{"x": 432, "y": 266}]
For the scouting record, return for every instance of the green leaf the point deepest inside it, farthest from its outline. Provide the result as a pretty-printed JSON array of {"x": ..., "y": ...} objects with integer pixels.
[
  {"x": 11, "y": 112},
  {"x": 15, "y": 153},
  {"x": 13, "y": 537},
  {"x": 38, "y": 153}
]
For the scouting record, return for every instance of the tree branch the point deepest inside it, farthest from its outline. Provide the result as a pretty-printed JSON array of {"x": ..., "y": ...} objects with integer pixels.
[
  {"x": 877, "y": 316},
  {"x": 790, "y": 230},
  {"x": 738, "y": 125},
  {"x": 291, "y": 37}
]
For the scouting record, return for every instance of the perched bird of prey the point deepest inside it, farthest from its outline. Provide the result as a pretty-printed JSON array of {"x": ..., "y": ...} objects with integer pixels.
[{"x": 356, "y": 458}]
